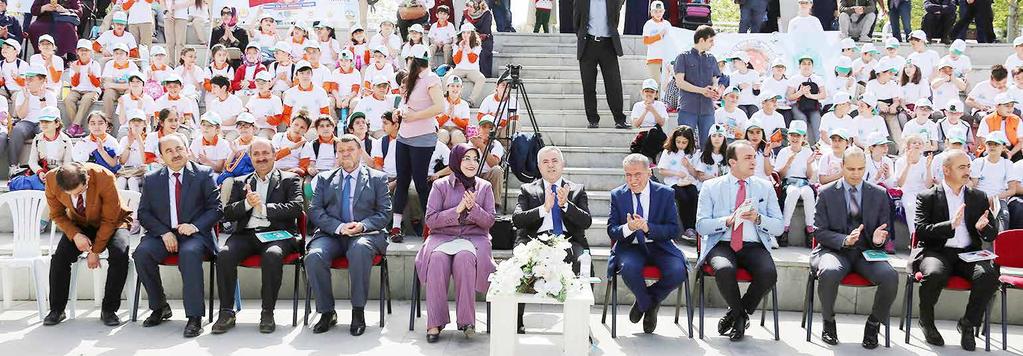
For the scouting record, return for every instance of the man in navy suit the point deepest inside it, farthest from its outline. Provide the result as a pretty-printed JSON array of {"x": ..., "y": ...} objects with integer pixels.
[
  {"x": 179, "y": 209},
  {"x": 642, "y": 222}
]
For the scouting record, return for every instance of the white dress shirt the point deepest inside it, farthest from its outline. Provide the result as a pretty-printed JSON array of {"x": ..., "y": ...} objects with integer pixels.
[
  {"x": 961, "y": 238},
  {"x": 548, "y": 221},
  {"x": 351, "y": 192},
  {"x": 173, "y": 196},
  {"x": 644, "y": 199},
  {"x": 749, "y": 228},
  {"x": 258, "y": 218}
]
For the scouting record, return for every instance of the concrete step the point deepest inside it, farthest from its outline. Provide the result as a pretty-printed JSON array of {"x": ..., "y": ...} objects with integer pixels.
[
  {"x": 570, "y": 102},
  {"x": 552, "y": 118},
  {"x": 558, "y": 86},
  {"x": 601, "y": 137},
  {"x": 548, "y": 59}
]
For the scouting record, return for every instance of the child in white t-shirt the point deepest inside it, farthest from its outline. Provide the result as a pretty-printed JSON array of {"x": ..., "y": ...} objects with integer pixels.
[
  {"x": 888, "y": 94},
  {"x": 210, "y": 149},
  {"x": 676, "y": 168},
  {"x": 442, "y": 34},
  {"x": 266, "y": 107},
  {"x": 993, "y": 174},
  {"x": 880, "y": 169},
  {"x": 654, "y": 32},
  {"x": 730, "y": 116},
  {"x": 768, "y": 116},
  {"x": 914, "y": 87},
  {"x": 132, "y": 152},
  {"x": 923, "y": 58},
  {"x": 650, "y": 111},
  {"x": 838, "y": 117},
  {"x": 867, "y": 121},
  {"x": 982, "y": 97},
  {"x": 945, "y": 85},
  {"x": 747, "y": 80},
  {"x": 953, "y": 119},
  {"x": 922, "y": 125},
  {"x": 53, "y": 63},
  {"x": 345, "y": 86},
  {"x": 961, "y": 63},
  {"x": 795, "y": 165},
  {"x": 913, "y": 174},
  {"x": 829, "y": 164}
]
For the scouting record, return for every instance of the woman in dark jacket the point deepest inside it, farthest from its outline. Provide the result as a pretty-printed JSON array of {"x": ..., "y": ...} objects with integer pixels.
[
  {"x": 480, "y": 16},
  {"x": 64, "y": 32}
]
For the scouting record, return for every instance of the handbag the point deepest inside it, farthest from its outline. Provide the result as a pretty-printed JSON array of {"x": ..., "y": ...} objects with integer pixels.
[
  {"x": 69, "y": 17},
  {"x": 502, "y": 233}
]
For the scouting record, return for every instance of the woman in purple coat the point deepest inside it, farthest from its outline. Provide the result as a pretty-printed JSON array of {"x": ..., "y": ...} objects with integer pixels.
[
  {"x": 64, "y": 32},
  {"x": 459, "y": 214}
]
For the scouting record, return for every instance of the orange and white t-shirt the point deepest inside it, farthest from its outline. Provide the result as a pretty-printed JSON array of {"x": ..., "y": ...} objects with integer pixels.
[
  {"x": 312, "y": 99},
  {"x": 88, "y": 78},
  {"x": 266, "y": 109}
]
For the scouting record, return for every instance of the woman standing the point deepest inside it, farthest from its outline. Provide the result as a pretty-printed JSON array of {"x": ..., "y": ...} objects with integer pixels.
[
  {"x": 228, "y": 33},
  {"x": 479, "y": 15},
  {"x": 460, "y": 214},
  {"x": 417, "y": 135},
  {"x": 54, "y": 17}
]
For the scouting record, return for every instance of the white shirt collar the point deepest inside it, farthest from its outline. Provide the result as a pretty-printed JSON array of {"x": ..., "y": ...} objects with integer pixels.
[
  {"x": 559, "y": 183},
  {"x": 949, "y": 190}
]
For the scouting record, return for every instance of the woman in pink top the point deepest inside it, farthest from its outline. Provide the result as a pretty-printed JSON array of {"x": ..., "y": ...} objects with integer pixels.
[{"x": 417, "y": 133}]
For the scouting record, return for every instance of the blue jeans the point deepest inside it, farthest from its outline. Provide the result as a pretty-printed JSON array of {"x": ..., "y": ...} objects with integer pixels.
[
  {"x": 813, "y": 123},
  {"x": 752, "y": 15},
  {"x": 901, "y": 14},
  {"x": 502, "y": 14},
  {"x": 701, "y": 122}
]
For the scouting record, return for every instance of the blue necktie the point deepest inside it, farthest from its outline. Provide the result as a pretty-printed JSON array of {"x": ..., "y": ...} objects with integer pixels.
[
  {"x": 346, "y": 191},
  {"x": 640, "y": 236},
  {"x": 556, "y": 212}
]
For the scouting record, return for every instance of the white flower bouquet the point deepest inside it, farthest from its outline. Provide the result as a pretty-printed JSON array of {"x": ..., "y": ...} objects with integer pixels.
[{"x": 537, "y": 267}]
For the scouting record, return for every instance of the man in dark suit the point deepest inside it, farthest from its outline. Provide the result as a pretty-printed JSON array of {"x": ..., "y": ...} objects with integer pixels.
[
  {"x": 598, "y": 43},
  {"x": 263, "y": 201},
  {"x": 179, "y": 209},
  {"x": 953, "y": 218},
  {"x": 535, "y": 214},
  {"x": 351, "y": 209},
  {"x": 84, "y": 204},
  {"x": 641, "y": 224},
  {"x": 852, "y": 217}
]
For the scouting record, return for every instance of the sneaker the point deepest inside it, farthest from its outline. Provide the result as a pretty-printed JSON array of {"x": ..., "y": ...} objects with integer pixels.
[{"x": 75, "y": 130}]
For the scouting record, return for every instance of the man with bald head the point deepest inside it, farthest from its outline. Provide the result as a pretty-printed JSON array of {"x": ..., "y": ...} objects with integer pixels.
[
  {"x": 179, "y": 209},
  {"x": 738, "y": 216},
  {"x": 266, "y": 200},
  {"x": 853, "y": 216},
  {"x": 952, "y": 218}
]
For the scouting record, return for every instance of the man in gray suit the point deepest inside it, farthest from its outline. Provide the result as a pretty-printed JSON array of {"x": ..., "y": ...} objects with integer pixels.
[
  {"x": 351, "y": 208},
  {"x": 852, "y": 217}
]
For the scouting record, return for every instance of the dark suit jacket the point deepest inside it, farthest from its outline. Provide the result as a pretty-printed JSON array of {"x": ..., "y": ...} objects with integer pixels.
[
  {"x": 934, "y": 225},
  {"x": 371, "y": 207},
  {"x": 576, "y": 218},
  {"x": 200, "y": 203},
  {"x": 284, "y": 201},
  {"x": 832, "y": 217},
  {"x": 661, "y": 215},
  {"x": 103, "y": 209},
  {"x": 581, "y": 17}
]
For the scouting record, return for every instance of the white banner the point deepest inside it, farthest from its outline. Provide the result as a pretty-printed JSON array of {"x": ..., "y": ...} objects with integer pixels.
[
  {"x": 823, "y": 47},
  {"x": 341, "y": 14}
]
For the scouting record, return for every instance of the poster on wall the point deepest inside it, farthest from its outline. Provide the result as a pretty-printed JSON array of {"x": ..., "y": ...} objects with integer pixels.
[
  {"x": 341, "y": 14},
  {"x": 823, "y": 47}
]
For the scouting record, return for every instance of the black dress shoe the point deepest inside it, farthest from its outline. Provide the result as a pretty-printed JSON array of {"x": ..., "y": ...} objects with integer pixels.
[
  {"x": 783, "y": 240},
  {"x": 593, "y": 125},
  {"x": 931, "y": 333},
  {"x": 54, "y": 318},
  {"x": 432, "y": 338},
  {"x": 224, "y": 323},
  {"x": 650, "y": 319},
  {"x": 157, "y": 316},
  {"x": 358, "y": 326},
  {"x": 635, "y": 315},
  {"x": 193, "y": 327},
  {"x": 830, "y": 334},
  {"x": 739, "y": 328},
  {"x": 521, "y": 330},
  {"x": 327, "y": 320},
  {"x": 870, "y": 331},
  {"x": 726, "y": 323},
  {"x": 266, "y": 322},
  {"x": 968, "y": 339},
  {"x": 621, "y": 125},
  {"x": 109, "y": 318}
]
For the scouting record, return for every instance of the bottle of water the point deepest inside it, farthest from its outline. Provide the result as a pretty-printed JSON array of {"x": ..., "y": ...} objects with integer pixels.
[{"x": 584, "y": 265}]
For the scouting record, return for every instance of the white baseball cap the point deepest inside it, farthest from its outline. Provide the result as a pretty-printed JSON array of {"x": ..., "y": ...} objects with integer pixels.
[
  {"x": 380, "y": 48},
  {"x": 211, "y": 117},
  {"x": 1004, "y": 98},
  {"x": 651, "y": 84},
  {"x": 877, "y": 138},
  {"x": 996, "y": 137},
  {"x": 869, "y": 99},
  {"x": 848, "y": 43},
  {"x": 957, "y": 134},
  {"x": 797, "y": 127},
  {"x": 49, "y": 113},
  {"x": 841, "y": 97},
  {"x": 923, "y": 102},
  {"x": 918, "y": 34},
  {"x": 282, "y": 46},
  {"x": 302, "y": 64},
  {"x": 245, "y": 117},
  {"x": 869, "y": 47},
  {"x": 891, "y": 42},
  {"x": 840, "y": 132},
  {"x": 310, "y": 44},
  {"x": 265, "y": 76},
  {"x": 346, "y": 55},
  {"x": 157, "y": 50},
  {"x": 120, "y": 46},
  {"x": 419, "y": 51},
  {"x": 955, "y": 105},
  {"x": 136, "y": 114},
  {"x": 467, "y": 26},
  {"x": 84, "y": 43},
  {"x": 13, "y": 43},
  {"x": 656, "y": 4},
  {"x": 945, "y": 62},
  {"x": 454, "y": 80},
  {"x": 766, "y": 95},
  {"x": 958, "y": 46},
  {"x": 46, "y": 38},
  {"x": 1018, "y": 41},
  {"x": 35, "y": 70},
  {"x": 778, "y": 62},
  {"x": 740, "y": 55},
  {"x": 415, "y": 28},
  {"x": 844, "y": 63},
  {"x": 379, "y": 79},
  {"x": 120, "y": 17},
  {"x": 171, "y": 77}
]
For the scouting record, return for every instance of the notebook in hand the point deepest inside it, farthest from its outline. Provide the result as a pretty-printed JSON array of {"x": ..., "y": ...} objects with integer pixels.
[{"x": 982, "y": 255}]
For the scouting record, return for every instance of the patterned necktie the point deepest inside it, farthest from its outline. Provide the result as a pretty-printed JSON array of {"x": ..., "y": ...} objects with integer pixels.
[
  {"x": 80, "y": 206},
  {"x": 740, "y": 197},
  {"x": 640, "y": 236},
  {"x": 854, "y": 204},
  {"x": 346, "y": 190},
  {"x": 556, "y": 213}
]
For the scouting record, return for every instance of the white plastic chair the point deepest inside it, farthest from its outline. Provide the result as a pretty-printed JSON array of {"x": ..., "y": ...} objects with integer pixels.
[
  {"x": 27, "y": 209},
  {"x": 130, "y": 200}
]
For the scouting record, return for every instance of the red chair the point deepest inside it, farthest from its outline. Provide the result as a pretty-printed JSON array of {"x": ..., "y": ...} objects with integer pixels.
[
  {"x": 292, "y": 259},
  {"x": 649, "y": 273},
  {"x": 170, "y": 261},
  {"x": 1007, "y": 247},
  {"x": 342, "y": 263},
  {"x": 852, "y": 279},
  {"x": 955, "y": 283},
  {"x": 742, "y": 276}
]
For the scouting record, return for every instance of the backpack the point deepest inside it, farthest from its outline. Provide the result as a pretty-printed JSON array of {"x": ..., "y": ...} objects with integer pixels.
[
  {"x": 649, "y": 143},
  {"x": 806, "y": 104},
  {"x": 522, "y": 156},
  {"x": 316, "y": 148},
  {"x": 672, "y": 95}
]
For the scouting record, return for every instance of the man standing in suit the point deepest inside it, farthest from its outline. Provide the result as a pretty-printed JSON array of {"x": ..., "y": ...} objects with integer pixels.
[
  {"x": 350, "y": 209},
  {"x": 738, "y": 215},
  {"x": 535, "y": 214},
  {"x": 953, "y": 218},
  {"x": 852, "y": 217},
  {"x": 642, "y": 222},
  {"x": 84, "y": 204},
  {"x": 179, "y": 208},
  {"x": 598, "y": 43},
  {"x": 263, "y": 201}
]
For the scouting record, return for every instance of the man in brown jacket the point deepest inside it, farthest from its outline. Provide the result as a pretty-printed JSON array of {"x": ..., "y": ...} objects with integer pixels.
[{"x": 85, "y": 205}]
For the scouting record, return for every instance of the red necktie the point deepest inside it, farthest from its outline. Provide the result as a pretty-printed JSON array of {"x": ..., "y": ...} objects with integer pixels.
[
  {"x": 177, "y": 194},
  {"x": 80, "y": 206},
  {"x": 740, "y": 197}
]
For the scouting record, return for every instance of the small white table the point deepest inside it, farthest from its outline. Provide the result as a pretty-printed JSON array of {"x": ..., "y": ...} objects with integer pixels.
[{"x": 503, "y": 335}]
